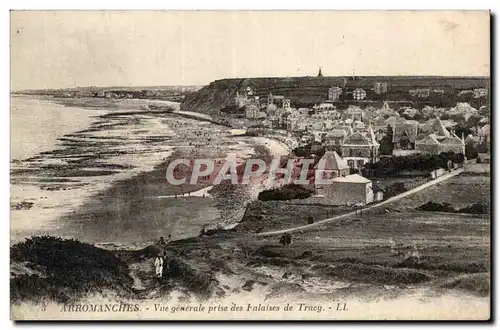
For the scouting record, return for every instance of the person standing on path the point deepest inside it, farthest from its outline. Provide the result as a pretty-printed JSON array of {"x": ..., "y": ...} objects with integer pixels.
[{"x": 159, "y": 266}]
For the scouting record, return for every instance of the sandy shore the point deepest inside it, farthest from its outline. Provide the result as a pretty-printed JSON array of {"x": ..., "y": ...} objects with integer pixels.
[{"x": 98, "y": 182}]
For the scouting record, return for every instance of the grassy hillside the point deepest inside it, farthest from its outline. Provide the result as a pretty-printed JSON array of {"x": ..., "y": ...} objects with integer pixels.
[
  {"x": 310, "y": 90},
  {"x": 64, "y": 270}
]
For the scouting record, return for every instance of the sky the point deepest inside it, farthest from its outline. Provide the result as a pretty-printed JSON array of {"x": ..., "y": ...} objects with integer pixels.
[{"x": 57, "y": 49}]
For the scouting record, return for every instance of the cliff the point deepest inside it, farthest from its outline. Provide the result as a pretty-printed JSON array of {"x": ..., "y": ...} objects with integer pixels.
[
  {"x": 219, "y": 93},
  {"x": 304, "y": 91}
]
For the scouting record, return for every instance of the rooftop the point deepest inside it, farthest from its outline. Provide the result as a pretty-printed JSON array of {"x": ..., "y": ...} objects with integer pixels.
[
  {"x": 332, "y": 161},
  {"x": 353, "y": 178}
]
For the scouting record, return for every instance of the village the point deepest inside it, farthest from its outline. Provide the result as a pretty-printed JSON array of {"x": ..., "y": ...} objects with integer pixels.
[{"x": 356, "y": 136}]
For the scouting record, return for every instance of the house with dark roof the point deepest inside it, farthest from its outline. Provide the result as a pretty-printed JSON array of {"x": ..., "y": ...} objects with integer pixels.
[
  {"x": 484, "y": 134},
  {"x": 441, "y": 140},
  {"x": 420, "y": 92},
  {"x": 360, "y": 148},
  {"x": 334, "y": 137},
  {"x": 353, "y": 113},
  {"x": 334, "y": 93},
  {"x": 404, "y": 135},
  {"x": 331, "y": 165}
]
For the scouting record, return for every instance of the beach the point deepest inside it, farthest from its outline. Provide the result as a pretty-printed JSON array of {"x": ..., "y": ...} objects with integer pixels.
[{"x": 101, "y": 179}]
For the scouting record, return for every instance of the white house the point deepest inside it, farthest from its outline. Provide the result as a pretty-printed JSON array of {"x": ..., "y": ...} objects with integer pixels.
[
  {"x": 359, "y": 94},
  {"x": 334, "y": 93},
  {"x": 348, "y": 190},
  {"x": 480, "y": 92}
]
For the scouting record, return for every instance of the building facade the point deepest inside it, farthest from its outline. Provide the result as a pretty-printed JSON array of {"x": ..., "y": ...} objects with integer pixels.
[
  {"x": 278, "y": 100},
  {"x": 359, "y": 94},
  {"x": 331, "y": 165},
  {"x": 434, "y": 144},
  {"x": 420, "y": 92},
  {"x": 480, "y": 92},
  {"x": 404, "y": 135},
  {"x": 360, "y": 148},
  {"x": 348, "y": 190},
  {"x": 380, "y": 87},
  {"x": 334, "y": 93}
]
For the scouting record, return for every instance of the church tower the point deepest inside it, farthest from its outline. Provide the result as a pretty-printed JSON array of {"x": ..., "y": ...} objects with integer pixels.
[{"x": 320, "y": 74}]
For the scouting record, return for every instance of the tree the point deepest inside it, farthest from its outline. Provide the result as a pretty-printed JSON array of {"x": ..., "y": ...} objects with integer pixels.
[
  {"x": 310, "y": 220},
  {"x": 473, "y": 121},
  {"x": 460, "y": 129},
  {"x": 459, "y": 118},
  {"x": 471, "y": 151},
  {"x": 444, "y": 116},
  {"x": 386, "y": 145},
  {"x": 484, "y": 111}
]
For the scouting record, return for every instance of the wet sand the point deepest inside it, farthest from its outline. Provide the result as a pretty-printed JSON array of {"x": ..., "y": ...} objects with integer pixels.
[{"x": 101, "y": 184}]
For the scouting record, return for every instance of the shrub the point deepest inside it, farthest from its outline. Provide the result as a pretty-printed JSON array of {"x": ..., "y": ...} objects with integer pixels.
[
  {"x": 310, "y": 220},
  {"x": 394, "y": 189},
  {"x": 476, "y": 208},
  {"x": 71, "y": 268},
  {"x": 287, "y": 192},
  {"x": 470, "y": 151},
  {"x": 198, "y": 282},
  {"x": 393, "y": 165},
  {"x": 309, "y": 149},
  {"x": 436, "y": 207}
]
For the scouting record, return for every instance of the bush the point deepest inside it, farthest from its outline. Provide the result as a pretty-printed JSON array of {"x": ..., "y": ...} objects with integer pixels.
[
  {"x": 199, "y": 282},
  {"x": 308, "y": 150},
  {"x": 287, "y": 192},
  {"x": 71, "y": 268},
  {"x": 353, "y": 171},
  {"x": 310, "y": 220},
  {"x": 436, "y": 207},
  {"x": 394, "y": 189},
  {"x": 471, "y": 152},
  {"x": 393, "y": 165},
  {"x": 476, "y": 208}
]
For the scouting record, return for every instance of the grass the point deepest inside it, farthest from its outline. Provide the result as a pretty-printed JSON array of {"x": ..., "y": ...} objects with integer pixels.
[
  {"x": 460, "y": 191},
  {"x": 69, "y": 269},
  {"x": 478, "y": 283},
  {"x": 271, "y": 215}
]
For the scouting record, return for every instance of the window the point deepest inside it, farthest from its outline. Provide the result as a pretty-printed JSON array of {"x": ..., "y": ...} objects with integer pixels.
[
  {"x": 361, "y": 163},
  {"x": 350, "y": 152},
  {"x": 350, "y": 163}
]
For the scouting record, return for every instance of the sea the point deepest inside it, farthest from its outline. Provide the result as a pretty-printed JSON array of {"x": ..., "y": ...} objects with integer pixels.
[{"x": 95, "y": 174}]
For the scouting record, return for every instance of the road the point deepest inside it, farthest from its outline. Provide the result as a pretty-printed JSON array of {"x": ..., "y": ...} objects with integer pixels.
[{"x": 374, "y": 206}]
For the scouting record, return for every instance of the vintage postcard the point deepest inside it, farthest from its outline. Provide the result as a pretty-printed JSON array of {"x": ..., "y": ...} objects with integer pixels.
[{"x": 250, "y": 165}]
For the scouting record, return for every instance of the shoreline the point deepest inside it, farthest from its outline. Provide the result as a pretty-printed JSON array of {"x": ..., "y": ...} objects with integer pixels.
[{"x": 118, "y": 177}]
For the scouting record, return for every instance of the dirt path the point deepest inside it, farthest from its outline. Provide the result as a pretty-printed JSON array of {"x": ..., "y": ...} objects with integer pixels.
[{"x": 387, "y": 201}]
